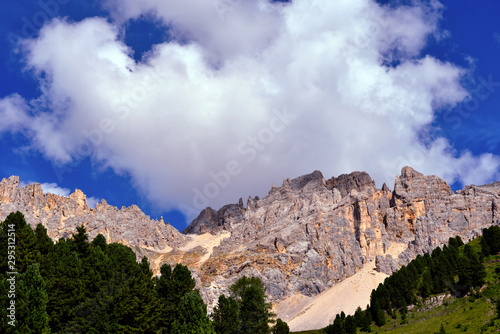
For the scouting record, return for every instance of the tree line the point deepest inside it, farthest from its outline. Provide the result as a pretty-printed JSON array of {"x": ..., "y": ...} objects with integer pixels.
[
  {"x": 78, "y": 286},
  {"x": 454, "y": 268}
]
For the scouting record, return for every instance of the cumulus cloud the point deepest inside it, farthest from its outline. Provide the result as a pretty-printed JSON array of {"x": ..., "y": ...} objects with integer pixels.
[
  {"x": 13, "y": 113},
  {"x": 53, "y": 188},
  {"x": 246, "y": 93}
]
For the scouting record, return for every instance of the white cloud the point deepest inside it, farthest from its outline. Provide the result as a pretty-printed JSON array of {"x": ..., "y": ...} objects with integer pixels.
[
  {"x": 53, "y": 188},
  {"x": 209, "y": 116},
  {"x": 13, "y": 113}
]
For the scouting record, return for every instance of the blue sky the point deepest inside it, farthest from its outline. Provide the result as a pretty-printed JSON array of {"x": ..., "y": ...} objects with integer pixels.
[{"x": 177, "y": 105}]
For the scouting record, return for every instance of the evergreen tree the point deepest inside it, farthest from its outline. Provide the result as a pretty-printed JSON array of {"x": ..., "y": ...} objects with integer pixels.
[
  {"x": 43, "y": 241},
  {"x": 138, "y": 307},
  {"x": 100, "y": 241},
  {"x": 226, "y": 316},
  {"x": 145, "y": 268},
  {"x": 477, "y": 269},
  {"x": 471, "y": 271},
  {"x": 238, "y": 288},
  {"x": 485, "y": 248},
  {"x": 465, "y": 274},
  {"x": 192, "y": 316},
  {"x": 31, "y": 303},
  {"x": 97, "y": 270},
  {"x": 404, "y": 311},
  {"x": 362, "y": 319},
  {"x": 491, "y": 238},
  {"x": 427, "y": 260},
  {"x": 171, "y": 287},
  {"x": 26, "y": 251},
  {"x": 424, "y": 287},
  {"x": 174, "y": 284},
  {"x": 80, "y": 241},
  {"x": 377, "y": 314},
  {"x": 452, "y": 242},
  {"x": 350, "y": 325},
  {"x": 254, "y": 311},
  {"x": 419, "y": 263},
  {"x": 281, "y": 327},
  {"x": 123, "y": 260},
  {"x": 337, "y": 327},
  {"x": 63, "y": 275}
]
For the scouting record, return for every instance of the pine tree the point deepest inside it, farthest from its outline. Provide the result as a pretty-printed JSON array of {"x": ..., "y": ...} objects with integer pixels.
[
  {"x": 404, "y": 311},
  {"x": 226, "y": 315},
  {"x": 452, "y": 242},
  {"x": 100, "y": 241},
  {"x": 350, "y": 325},
  {"x": 254, "y": 311},
  {"x": 477, "y": 268},
  {"x": 32, "y": 302},
  {"x": 238, "y": 288},
  {"x": 145, "y": 267},
  {"x": 377, "y": 314},
  {"x": 80, "y": 241},
  {"x": 137, "y": 306},
  {"x": 97, "y": 270},
  {"x": 171, "y": 287},
  {"x": 26, "y": 252},
  {"x": 43, "y": 242},
  {"x": 63, "y": 275},
  {"x": 471, "y": 271},
  {"x": 362, "y": 319},
  {"x": 424, "y": 287},
  {"x": 491, "y": 238},
  {"x": 485, "y": 248},
  {"x": 123, "y": 260},
  {"x": 192, "y": 316},
  {"x": 337, "y": 327},
  {"x": 281, "y": 327}
]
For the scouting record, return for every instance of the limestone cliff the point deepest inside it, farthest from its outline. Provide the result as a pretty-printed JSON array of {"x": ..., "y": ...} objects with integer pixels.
[
  {"x": 61, "y": 215},
  {"x": 310, "y": 233}
]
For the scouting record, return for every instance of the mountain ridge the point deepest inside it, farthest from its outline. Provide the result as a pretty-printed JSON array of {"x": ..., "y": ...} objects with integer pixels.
[{"x": 302, "y": 239}]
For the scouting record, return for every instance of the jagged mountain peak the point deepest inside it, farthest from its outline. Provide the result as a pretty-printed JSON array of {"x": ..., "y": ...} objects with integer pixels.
[{"x": 61, "y": 215}]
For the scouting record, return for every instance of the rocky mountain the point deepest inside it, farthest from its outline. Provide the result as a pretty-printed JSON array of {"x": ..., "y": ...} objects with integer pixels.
[
  {"x": 61, "y": 215},
  {"x": 302, "y": 239},
  {"x": 311, "y": 233}
]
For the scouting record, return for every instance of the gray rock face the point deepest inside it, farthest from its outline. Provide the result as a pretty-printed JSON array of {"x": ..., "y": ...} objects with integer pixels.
[
  {"x": 386, "y": 265},
  {"x": 316, "y": 232},
  {"x": 358, "y": 181},
  {"x": 211, "y": 221},
  {"x": 61, "y": 215}
]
